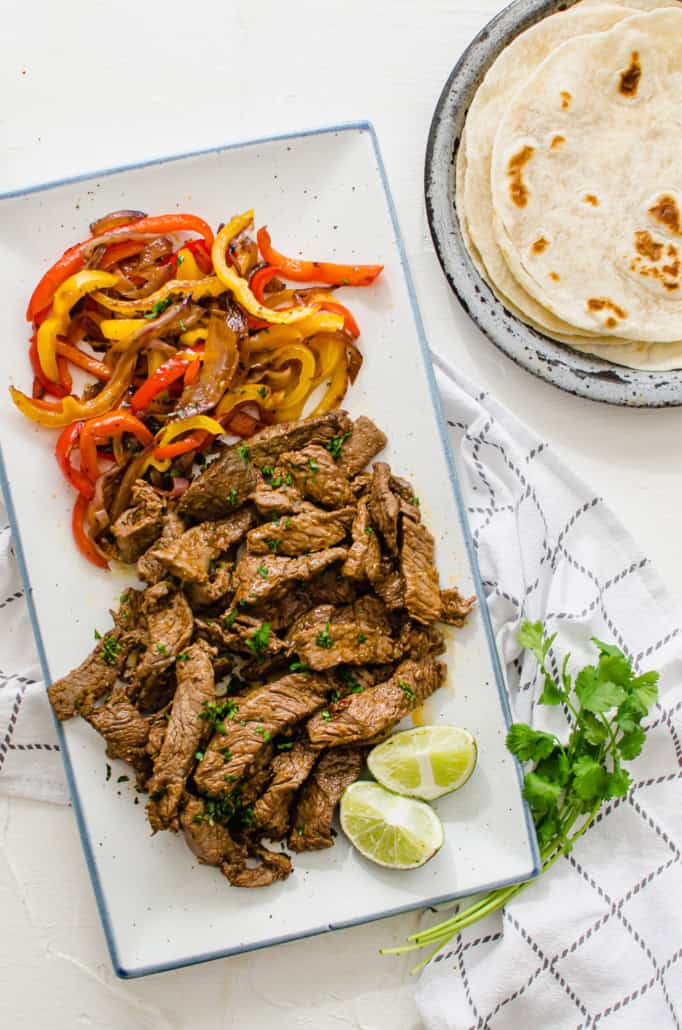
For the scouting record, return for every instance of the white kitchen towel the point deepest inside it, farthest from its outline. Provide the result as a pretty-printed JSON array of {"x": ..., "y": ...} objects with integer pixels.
[{"x": 597, "y": 941}]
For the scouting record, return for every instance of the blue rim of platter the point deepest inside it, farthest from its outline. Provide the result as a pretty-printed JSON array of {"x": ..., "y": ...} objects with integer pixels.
[
  {"x": 138, "y": 971},
  {"x": 584, "y": 375}
]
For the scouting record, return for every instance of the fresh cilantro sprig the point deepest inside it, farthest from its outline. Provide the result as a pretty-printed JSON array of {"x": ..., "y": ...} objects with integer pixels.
[{"x": 566, "y": 781}]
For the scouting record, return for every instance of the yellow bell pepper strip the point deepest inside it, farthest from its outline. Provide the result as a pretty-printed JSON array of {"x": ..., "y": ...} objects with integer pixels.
[
  {"x": 153, "y": 304},
  {"x": 295, "y": 398},
  {"x": 164, "y": 448},
  {"x": 69, "y": 293},
  {"x": 239, "y": 287},
  {"x": 186, "y": 264},
  {"x": 319, "y": 322},
  {"x": 72, "y": 259},
  {"x": 82, "y": 360},
  {"x": 336, "y": 390},
  {"x": 193, "y": 336},
  {"x": 120, "y": 328},
  {"x": 250, "y": 393},
  {"x": 329, "y": 351},
  {"x": 316, "y": 271}
]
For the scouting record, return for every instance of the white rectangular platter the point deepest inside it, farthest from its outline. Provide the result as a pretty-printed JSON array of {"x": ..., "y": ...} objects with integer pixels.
[{"x": 323, "y": 194}]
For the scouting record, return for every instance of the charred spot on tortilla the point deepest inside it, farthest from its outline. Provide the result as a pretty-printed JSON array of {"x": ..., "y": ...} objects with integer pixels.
[
  {"x": 565, "y": 99},
  {"x": 540, "y": 244},
  {"x": 647, "y": 246},
  {"x": 590, "y": 198},
  {"x": 557, "y": 142},
  {"x": 672, "y": 286},
  {"x": 672, "y": 250},
  {"x": 555, "y": 276},
  {"x": 611, "y": 322},
  {"x": 518, "y": 191},
  {"x": 599, "y": 303},
  {"x": 666, "y": 211},
  {"x": 629, "y": 79}
]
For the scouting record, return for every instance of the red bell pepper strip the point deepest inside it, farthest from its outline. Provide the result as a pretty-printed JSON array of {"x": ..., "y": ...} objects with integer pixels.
[
  {"x": 104, "y": 427},
  {"x": 316, "y": 271},
  {"x": 71, "y": 260},
  {"x": 349, "y": 323},
  {"x": 119, "y": 251},
  {"x": 260, "y": 279},
  {"x": 66, "y": 441},
  {"x": 82, "y": 360},
  {"x": 83, "y": 541},
  {"x": 60, "y": 389},
  {"x": 165, "y": 374},
  {"x": 192, "y": 371},
  {"x": 191, "y": 442}
]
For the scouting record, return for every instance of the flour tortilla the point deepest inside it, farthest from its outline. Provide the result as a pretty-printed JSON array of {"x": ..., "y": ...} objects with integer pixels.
[
  {"x": 614, "y": 265},
  {"x": 473, "y": 197}
]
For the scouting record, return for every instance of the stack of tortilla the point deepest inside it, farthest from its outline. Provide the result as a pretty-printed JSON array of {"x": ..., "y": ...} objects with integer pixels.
[{"x": 569, "y": 180}]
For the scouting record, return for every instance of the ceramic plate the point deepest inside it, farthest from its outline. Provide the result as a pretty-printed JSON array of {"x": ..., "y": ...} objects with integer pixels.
[
  {"x": 568, "y": 369},
  {"x": 321, "y": 193}
]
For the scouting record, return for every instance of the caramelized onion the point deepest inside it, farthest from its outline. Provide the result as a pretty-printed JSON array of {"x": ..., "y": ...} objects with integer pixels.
[{"x": 115, "y": 218}]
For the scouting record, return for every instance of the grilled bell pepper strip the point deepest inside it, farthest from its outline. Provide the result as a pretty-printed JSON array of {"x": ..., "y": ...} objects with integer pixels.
[
  {"x": 239, "y": 287},
  {"x": 197, "y": 288},
  {"x": 193, "y": 258},
  {"x": 66, "y": 441},
  {"x": 83, "y": 541},
  {"x": 250, "y": 393},
  {"x": 165, "y": 374},
  {"x": 70, "y": 409},
  {"x": 103, "y": 428},
  {"x": 260, "y": 279},
  {"x": 194, "y": 425},
  {"x": 120, "y": 251},
  {"x": 60, "y": 389},
  {"x": 276, "y": 336},
  {"x": 72, "y": 259},
  {"x": 69, "y": 293},
  {"x": 316, "y": 271},
  {"x": 82, "y": 360},
  {"x": 349, "y": 323},
  {"x": 80, "y": 535}
]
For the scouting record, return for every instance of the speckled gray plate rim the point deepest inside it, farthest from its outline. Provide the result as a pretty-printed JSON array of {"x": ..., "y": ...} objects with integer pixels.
[{"x": 583, "y": 375}]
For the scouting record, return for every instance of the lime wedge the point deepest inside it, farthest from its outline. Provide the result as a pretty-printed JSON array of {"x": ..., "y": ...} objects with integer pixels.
[
  {"x": 392, "y": 831},
  {"x": 425, "y": 762}
]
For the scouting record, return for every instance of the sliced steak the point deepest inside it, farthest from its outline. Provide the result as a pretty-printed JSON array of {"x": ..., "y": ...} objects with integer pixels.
[
  {"x": 301, "y": 534},
  {"x": 196, "y": 687},
  {"x": 229, "y": 480},
  {"x": 189, "y": 557},
  {"x": 416, "y": 641},
  {"x": 316, "y": 476},
  {"x": 364, "y": 557},
  {"x": 170, "y": 624},
  {"x": 210, "y": 841},
  {"x": 390, "y": 586},
  {"x": 79, "y": 689},
  {"x": 454, "y": 608},
  {"x": 243, "y": 634},
  {"x": 139, "y": 526},
  {"x": 331, "y": 587},
  {"x": 149, "y": 568},
  {"x": 267, "y": 446},
  {"x": 274, "y": 866},
  {"x": 289, "y": 771},
  {"x": 273, "y": 502},
  {"x": 364, "y": 443},
  {"x": 124, "y": 729},
  {"x": 312, "y": 821},
  {"x": 348, "y": 636},
  {"x": 384, "y": 506},
  {"x": 215, "y": 589},
  {"x": 221, "y": 488},
  {"x": 258, "y": 579},
  {"x": 418, "y": 568},
  {"x": 256, "y": 719},
  {"x": 360, "y": 718}
]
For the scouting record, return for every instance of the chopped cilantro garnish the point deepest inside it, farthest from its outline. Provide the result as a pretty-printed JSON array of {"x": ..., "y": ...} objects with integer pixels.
[
  {"x": 369, "y": 530},
  {"x": 262, "y": 571},
  {"x": 285, "y": 745},
  {"x": 263, "y": 733},
  {"x": 286, "y": 523},
  {"x": 229, "y": 618},
  {"x": 326, "y": 715},
  {"x": 312, "y": 464},
  {"x": 262, "y": 391},
  {"x": 298, "y": 667},
  {"x": 407, "y": 689},
  {"x": 98, "y": 635},
  {"x": 272, "y": 543},
  {"x": 198, "y": 755},
  {"x": 335, "y": 445},
  {"x": 232, "y": 497},
  {"x": 361, "y": 638},
  {"x": 268, "y": 471},
  {"x": 324, "y": 639},
  {"x": 157, "y": 308},
  {"x": 258, "y": 641},
  {"x": 415, "y": 501},
  {"x": 161, "y": 648},
  {"x": 244, "y": 452},
  {"x": 276, "y": 481},
  {"x": 289, "y": 479},
  {"x": 184, "y": 657},
  {"x": 110, "y": 650}
]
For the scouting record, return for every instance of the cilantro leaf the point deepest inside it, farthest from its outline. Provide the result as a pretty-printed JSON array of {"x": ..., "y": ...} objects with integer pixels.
[
  {"x": 631, "y": 744},
  {"x": 589, "y": 778},
  {"x": 608, "y": 649},
  {"x": 618, "y": 783},
  {"x": 529, "y": 745},
  {"x": 531, "y": 636},
  {"x": 645, "y": 689},
  {"x": 540, "y": 793},
  {"x": 597, "y": 694},
  {"x": 551, "y": 693}
]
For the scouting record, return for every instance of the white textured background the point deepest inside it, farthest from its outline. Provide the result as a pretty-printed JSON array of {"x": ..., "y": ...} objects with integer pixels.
[{"x": 87, "y": 85}]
